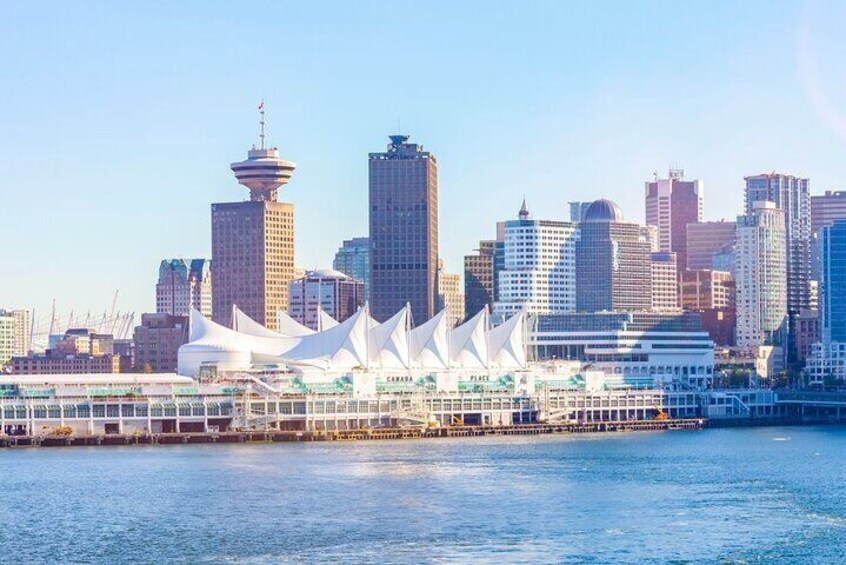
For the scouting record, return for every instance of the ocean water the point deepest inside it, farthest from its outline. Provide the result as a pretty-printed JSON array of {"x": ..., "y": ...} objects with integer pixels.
[{"x": 767, "y": 495}]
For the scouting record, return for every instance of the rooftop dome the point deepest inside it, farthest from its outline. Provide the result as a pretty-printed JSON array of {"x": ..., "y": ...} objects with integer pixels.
[
  {"x": 603, "y": 211},
  {"x": 326, "y": 274}
]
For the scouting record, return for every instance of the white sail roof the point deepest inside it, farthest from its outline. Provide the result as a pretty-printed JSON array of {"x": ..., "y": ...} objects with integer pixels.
[
  {"x": 506, "y": 345},
  {"x": 324, "y": 320},
  {"x": 428, "y": 343},
  {"x": 388, "y": 346},
  {"x": 341, "y": 347},
  {"x": 288, "y": 327},
  {"x": 468, "y": 343}
]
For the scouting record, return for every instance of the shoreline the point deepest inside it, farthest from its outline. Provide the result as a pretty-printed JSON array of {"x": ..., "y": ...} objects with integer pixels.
[{"x": 371, "y": 434}]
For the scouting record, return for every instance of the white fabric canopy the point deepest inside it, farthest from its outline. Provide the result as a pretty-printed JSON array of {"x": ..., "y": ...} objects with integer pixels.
[
  {"x": 506, "y": 343},
  {"x": 388, "y": 346},
  {"x": 428, "y": 344},
  {"x": 468, "y": 343}
]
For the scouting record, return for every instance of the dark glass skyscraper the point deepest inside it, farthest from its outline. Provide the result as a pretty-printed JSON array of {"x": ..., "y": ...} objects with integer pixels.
[
  {"x": 833, "y": 299},
  {"x": 403, "y": 230}
]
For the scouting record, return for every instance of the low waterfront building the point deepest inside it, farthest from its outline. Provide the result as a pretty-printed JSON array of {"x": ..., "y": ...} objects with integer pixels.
[
  {"x": 78, "y": 351},
  {"x": 644, "y": 349},
  {"x": 157, "y": 342}
]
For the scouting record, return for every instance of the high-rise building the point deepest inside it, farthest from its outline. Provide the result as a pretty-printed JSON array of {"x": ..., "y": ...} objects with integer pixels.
[
  {"x": 327, "y": 290},
  {"x": 253, "y": 241},
  {"x": 182, "y": 285},
  {"x": 833, "y": 288},
  {"x": 790, "y": 194},
  {"x": 403, "y": 230},
  {"x": 807, "y": 334},
  {"x": 480, "y": 278},
  {"x": 825, "y": 208},
  {"x": 539, "y": 272},
  {"x": 672, "y": 204},
  {"x": 761, "y": 276},
  {"x": 577, "y": 211},
  {"x": 828, "y": 356},
  {"x": 665, "y": 287},
  {"x": 15, "y": 329},
  {"x": 353, "y": 259},
  {"x": 157, "y": 342},
  {"x": 706, "y": 289},
  {"x": 450, "y": 294},
  {"x": 613, "y": 262},
  {"x": 704, "y": 239}
]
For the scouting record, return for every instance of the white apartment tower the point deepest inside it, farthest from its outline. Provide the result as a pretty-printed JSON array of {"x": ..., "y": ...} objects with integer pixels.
[
  {"x": 540, "y": 267},
  {"x": 761, "y": 276},
  {"x": 15, "y": 328}
]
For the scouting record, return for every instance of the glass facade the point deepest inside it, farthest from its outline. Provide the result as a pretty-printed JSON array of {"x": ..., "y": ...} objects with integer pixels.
[
  {"x": 403, "y": 230},
  {"x": 833, "y": 302}
]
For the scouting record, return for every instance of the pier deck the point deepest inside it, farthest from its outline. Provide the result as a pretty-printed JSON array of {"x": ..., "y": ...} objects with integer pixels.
[{"x": 274, "y": 436}]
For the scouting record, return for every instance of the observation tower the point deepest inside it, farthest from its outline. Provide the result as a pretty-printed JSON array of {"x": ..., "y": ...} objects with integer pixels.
[{"x": 263, "y": 172}]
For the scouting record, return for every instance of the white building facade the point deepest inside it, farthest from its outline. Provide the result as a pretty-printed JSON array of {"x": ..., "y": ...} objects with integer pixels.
[
  {"x": 539, "y": 271},
  {"x": 761, "y": 276},
  {"x": 15, "y": 329},
  {"x": 184, "y": 284}
]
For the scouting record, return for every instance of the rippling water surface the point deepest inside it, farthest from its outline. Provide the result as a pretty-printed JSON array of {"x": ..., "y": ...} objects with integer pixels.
[{"x": 775, "y": 495}]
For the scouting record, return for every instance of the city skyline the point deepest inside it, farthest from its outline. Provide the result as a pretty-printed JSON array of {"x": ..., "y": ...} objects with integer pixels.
[{"x": 163, "y": 137}]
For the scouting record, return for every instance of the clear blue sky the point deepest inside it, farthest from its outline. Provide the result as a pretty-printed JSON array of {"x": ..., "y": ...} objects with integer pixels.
[{"x": 118, "y": 121}]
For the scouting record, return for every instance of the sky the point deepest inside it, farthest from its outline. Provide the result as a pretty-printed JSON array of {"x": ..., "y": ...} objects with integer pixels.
[{"x": 118, "y": 120}]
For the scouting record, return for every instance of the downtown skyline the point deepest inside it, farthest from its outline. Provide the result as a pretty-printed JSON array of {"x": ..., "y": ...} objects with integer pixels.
[{"x": 158, "y": 131}]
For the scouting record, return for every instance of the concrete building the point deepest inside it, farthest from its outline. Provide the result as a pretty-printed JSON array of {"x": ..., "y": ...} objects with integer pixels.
[
  {"x": 706, "y": 289},
  {"x": 353, "y": 259},
  {"x": 539, "y": 267},
  {"x": 450, "y": 294},
  {"x": 480, "y": 277},
  {"x": 157, "y": 342},
  {"x": 665, "y": 287},
  {"x": 253, "y": 241},
  {"x": 807, "y": 333},
  {"x": 705, "y": 239},
  {"x": 613, "y": 262},
  {"x": 78, "y": 351},
  {"x": 15, "y": 330},
  {"x": 645, "y": 349},
  {"x": 672, "y": 204},
  {"x": 325, "y": 290},
  {"x": 792, "y": 195},
  {"x": 182, "y": 285},
  {"x": 403, "y": 208},
  {"x": 825, "y": 208},
  {"x": 761, "y": 276}
]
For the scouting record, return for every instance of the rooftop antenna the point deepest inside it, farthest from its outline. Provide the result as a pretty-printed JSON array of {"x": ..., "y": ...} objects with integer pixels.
[{"x": 261, "y": 122}]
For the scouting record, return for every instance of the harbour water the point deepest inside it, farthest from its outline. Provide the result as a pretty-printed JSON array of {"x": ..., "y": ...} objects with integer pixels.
[{"x": 765, "y": 495}]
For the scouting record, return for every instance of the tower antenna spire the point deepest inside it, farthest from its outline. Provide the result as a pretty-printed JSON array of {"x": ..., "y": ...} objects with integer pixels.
[{"x": 261, "y": 122}]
